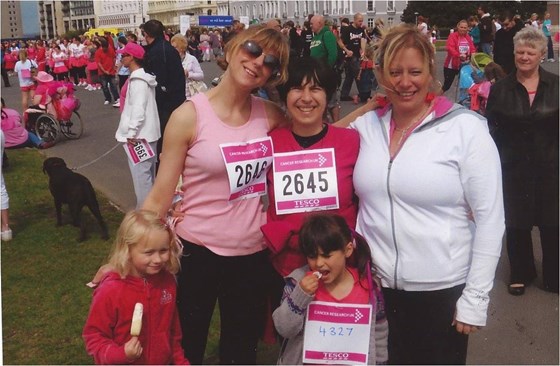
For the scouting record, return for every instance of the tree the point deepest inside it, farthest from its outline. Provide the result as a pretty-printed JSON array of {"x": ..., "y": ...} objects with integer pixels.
[{"x": 446, "y": 14}]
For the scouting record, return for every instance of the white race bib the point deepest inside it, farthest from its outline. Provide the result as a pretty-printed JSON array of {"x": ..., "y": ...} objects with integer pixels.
[
  {"x": 247, "y": 164},
  {"x": 337, "y": 333},
  {"x": 464, "y": 48},
  {"x": 305, "y": 181},
  {"x": 138, "y": 152}
]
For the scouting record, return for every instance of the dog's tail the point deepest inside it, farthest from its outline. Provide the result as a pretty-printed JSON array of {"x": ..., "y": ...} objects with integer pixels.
[{"x": 93, "y": 206}]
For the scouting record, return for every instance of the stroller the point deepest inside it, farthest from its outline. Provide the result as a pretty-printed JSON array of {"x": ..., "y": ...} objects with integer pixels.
[{"x": 472, "y": 84}]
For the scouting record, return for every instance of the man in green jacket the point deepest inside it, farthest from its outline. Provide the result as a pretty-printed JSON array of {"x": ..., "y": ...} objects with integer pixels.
[{"x": 323, "y": 46}]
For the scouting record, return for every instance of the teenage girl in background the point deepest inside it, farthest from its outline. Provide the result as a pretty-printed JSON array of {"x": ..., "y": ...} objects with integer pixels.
[
  {"x": 145, "y": 258},
  {"x": 338, "y": 271}
]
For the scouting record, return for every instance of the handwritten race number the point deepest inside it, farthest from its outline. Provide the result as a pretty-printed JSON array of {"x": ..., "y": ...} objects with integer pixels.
[
  {"x": 305, "y": 181},
  {"x": 246, "y": 165},
  {"x": 337, "y": 333}
]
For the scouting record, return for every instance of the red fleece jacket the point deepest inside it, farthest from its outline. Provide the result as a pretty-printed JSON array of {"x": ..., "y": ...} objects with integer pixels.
[{"x": 107, "y": 327}]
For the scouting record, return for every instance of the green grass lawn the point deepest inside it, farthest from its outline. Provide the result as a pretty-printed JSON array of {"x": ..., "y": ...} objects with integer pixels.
[{"x": 44, "y": 271}]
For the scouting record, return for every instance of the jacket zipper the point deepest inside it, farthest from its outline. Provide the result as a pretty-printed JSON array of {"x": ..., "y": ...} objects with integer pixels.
[
  {"x": 393, "y": 223},
  {"x": 389, "y": 166}
]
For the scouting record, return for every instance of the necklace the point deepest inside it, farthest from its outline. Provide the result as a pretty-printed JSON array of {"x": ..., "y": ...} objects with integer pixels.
[{"x": 404, "y": 131}]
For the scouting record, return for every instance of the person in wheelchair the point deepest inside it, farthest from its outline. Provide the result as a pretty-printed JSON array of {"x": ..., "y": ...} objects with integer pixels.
[
  {"x": 15, "y": 133},
  {"x": 53, "y": 97}
]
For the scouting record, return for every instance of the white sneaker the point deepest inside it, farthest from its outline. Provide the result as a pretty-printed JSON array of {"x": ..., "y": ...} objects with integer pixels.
[
  {"x": 98, "y": 88},
  {"x": 90, "y": 87},
  {"x": 106, "y": 102},
  {"x": 550, "y": 60},
  {"x": 117, "y": 104},
  {"x": 6, "y": 235}
]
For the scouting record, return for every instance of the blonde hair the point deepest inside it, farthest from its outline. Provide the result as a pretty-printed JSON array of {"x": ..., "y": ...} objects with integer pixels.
[
  {"x": 22, "y": 55},
  {"x": 369, "y": 52},
  {"x": 268, "y": 39},
  {"x": 134, "y": 228},
  {"x": 402, "y": 37},
  {"x": 181, "y": 42}
]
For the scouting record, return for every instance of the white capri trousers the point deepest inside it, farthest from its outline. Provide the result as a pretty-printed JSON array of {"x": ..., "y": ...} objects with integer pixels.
[{"x": 143, "y": 175}]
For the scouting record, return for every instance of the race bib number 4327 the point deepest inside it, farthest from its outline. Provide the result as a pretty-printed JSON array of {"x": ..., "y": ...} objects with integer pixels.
[
  {"x": 337, "y": 333},
  {"x": 247, "y": 164},
  {"x": 305, "y": 181}
]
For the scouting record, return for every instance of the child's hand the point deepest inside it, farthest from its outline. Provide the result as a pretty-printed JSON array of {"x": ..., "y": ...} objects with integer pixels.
[
  {"x": 309, "y": 284},
  {"x": 133, "y": 349}
]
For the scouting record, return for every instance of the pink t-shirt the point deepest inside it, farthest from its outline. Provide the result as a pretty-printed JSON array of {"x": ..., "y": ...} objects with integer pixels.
[
  {"x": 358, "y": 295},
  {"x": 14, "y": 133},
  {"x": 227, "y": 228},
  {"x": 122, "y": 95}
]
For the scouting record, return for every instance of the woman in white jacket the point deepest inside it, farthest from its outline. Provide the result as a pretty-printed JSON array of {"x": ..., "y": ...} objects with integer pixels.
[
  {"x": 193, "y": 72},
  {"x": 139, "y": 127},
  {"x": 428, "y": 179}
]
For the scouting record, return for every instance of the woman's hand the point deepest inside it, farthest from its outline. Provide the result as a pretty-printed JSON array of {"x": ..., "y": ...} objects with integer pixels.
[
  {"x": 133, "y": 349},
  {"x": 101, "y": 272},
  {"x": 464, "y": 328},
  {"x": 175, "y": 211}
]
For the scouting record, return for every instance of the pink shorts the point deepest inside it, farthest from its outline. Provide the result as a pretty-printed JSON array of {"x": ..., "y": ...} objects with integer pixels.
[{"x": 27, "y": 88}]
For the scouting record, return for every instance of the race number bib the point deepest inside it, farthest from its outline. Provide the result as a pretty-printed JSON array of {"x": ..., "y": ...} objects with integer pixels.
[
  {"x": 464, "y": 48},
  {"x": 139, "y": 151},
  {"x": 247, "y": 164},
  {"x": 337, "y": 333},
  {"x": 305, "y": 181}
]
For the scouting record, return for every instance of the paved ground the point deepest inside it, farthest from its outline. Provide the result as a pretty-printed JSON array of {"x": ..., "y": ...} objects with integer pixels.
[{"x": 521, "y": 330}]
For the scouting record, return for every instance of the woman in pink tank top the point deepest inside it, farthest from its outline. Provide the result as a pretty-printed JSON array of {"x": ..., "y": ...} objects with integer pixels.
[{"x": 218, "y": 142}]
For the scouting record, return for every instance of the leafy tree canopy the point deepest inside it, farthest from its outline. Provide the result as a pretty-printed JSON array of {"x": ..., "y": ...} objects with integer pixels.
[{"x": 446, "y": 14}]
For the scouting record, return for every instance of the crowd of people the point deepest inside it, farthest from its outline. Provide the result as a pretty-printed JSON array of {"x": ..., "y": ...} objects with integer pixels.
[{"x": 272, "y": 207}]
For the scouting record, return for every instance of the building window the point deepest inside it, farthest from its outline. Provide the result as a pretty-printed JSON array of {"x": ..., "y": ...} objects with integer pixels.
[
  {"x": 391, "y": 5},
  {"x": 370, "y": 6},
  {"x": 370, "y": 22},
  {"x": 390, "y": 21}
]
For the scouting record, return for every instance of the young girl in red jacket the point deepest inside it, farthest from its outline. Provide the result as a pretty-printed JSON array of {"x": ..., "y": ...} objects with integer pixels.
[{"x": 144, "y": 258}]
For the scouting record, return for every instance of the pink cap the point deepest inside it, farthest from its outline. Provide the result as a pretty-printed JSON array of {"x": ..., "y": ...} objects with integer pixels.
[{"x": 132, "y": 49}]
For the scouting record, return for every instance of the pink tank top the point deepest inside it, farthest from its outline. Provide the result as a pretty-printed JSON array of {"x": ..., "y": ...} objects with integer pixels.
[{"x": 227, "y": 228}]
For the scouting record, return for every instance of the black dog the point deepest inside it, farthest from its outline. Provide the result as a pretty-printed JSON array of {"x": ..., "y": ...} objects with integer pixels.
[{"x": 75, "y": 190}]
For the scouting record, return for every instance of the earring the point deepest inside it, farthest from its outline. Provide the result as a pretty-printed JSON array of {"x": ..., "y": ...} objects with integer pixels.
[{"x": 430, "y": 97}]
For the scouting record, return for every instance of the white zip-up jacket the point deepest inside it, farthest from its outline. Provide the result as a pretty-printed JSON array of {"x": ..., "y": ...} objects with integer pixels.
[
  {"x": 139, "y": 118},
  {"x": 414, "y": 211}
]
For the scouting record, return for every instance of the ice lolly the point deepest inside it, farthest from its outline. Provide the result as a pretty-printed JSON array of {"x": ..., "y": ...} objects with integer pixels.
[
  {"x": 137, "y": 320},
  {"x": 318, "y": 274}
]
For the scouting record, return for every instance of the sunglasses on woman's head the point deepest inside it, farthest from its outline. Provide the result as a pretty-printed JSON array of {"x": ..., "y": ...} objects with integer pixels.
[{"x": 253, "y": 49}]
